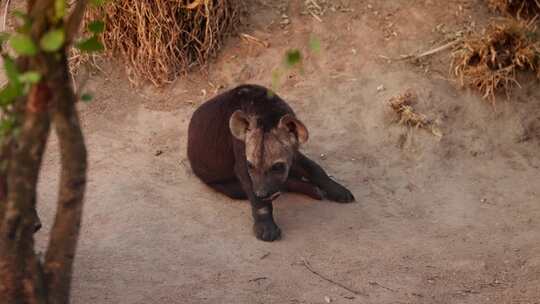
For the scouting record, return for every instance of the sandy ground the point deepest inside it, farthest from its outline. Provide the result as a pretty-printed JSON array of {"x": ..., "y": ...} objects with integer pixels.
[{"x": 454, "y": 220}]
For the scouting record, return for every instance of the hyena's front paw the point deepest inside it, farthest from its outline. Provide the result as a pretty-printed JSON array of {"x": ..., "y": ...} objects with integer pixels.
[
  {"x": 267, "y": 231},
  {"x": 338, "y": 193}
]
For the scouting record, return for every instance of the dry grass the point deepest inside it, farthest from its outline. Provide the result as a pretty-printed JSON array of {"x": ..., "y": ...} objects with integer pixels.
[
  {"x": 163, "y": 39},
  {"x": 403, "y": 106},
  {"x": 526, "y": 9},
  {"x": 490, "y": 61}
]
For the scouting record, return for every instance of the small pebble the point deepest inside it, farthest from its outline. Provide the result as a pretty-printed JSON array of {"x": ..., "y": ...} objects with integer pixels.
[
  {"x": 380, "y": 88},
  {"x": 327, "y": 299}
]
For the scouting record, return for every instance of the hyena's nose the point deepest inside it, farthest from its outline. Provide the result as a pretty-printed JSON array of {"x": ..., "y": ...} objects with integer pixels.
[{"x": 261, "y": 193}]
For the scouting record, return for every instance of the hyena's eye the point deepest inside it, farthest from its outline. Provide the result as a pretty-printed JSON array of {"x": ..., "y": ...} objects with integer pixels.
[
  {"x": 250, "y": 166},
  {"x": 278, "y": 168}
]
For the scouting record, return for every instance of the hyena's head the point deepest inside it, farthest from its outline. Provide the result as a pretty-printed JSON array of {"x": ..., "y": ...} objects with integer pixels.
[{"x": 269, "y": 153}]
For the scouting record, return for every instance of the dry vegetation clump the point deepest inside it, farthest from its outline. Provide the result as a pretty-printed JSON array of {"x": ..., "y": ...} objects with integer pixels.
[
  {"x": 403, "y": 106},
  {"x": 163, "y": 39},
  {"x": 489, "y": 61},
  {"x": 518, "y": 8}
]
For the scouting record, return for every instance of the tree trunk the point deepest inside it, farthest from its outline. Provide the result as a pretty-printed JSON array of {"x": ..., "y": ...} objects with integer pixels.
[
  {"x": 24, "y": 278},
  {"x": 17, "y": 258}
]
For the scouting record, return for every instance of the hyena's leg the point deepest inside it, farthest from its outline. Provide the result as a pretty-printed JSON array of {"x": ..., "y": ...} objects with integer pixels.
[
  {"x": 231, "y": 188},
  {"x": 264, "y": 226},
  {"x": 310, "y": 170},
  {"x": 299, "y": 186}
]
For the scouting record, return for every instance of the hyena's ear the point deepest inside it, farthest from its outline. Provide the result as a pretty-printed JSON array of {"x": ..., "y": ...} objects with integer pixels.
[
  {"x": 294, "y": 126},
  {"x": 239, "y": 124}
]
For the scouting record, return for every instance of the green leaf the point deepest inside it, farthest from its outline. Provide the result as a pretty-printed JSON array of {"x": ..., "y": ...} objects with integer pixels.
[
  {"x": 23, "y": 45},
  {"x": 26, "y": 22},
  {"x": 293, "y": 57},
  {"x": 14, "y": 87},
  {"x": 276, "y": 77},
  {"x": 8, "y": 95},
  {"x": 96, "y": 26},
  {"x": 30, "y": 77},
  {"x": 21, "y": 15},
  {"x": 314, "y": 44},
  {"x": 270, "y": 93},
  {"x": 12, "y": 72},
  {"x": 97, "y": 3},
  {"x": 53, "y": 40},
  {"x": 7, "y": 124},
  {"x": 3, "y": 37},
  {"x": 86, "y": 97},
  {"x": 91, "y": 44},
  {"x": 59, "y": 9}
]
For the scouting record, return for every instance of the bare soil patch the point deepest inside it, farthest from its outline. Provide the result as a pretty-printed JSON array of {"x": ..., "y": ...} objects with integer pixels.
[{"x": 449, "y": 220}]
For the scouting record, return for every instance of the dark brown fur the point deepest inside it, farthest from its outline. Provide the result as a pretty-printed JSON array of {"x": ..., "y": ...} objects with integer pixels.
[{"x": 218, "y": 157}]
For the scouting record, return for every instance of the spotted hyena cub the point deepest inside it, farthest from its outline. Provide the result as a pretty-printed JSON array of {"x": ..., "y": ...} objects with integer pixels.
[{"x": 245, "y": 144}]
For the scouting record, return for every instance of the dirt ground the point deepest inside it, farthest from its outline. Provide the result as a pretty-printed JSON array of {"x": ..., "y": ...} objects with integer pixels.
[{"x": 449, "y": 220}]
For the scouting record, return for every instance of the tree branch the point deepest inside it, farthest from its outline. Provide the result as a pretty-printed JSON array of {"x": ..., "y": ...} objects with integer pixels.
[
  {"x": 38, "y": 11},
  {"x": 36, "y": 8},
  {"x": 65, "y": 232},
  {"x": 5, "y": 147},
  {"x": 74, "y": 21}
]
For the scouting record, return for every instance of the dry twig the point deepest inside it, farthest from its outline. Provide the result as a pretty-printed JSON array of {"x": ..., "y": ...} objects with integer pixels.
[
  {"x": 250, "y": 38},
  {"x": 306, "y": 264},
  {"x": 374, "y": 283},
  {"x": 432, "y": 51},
  {"x": 6, "y": 9}
]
